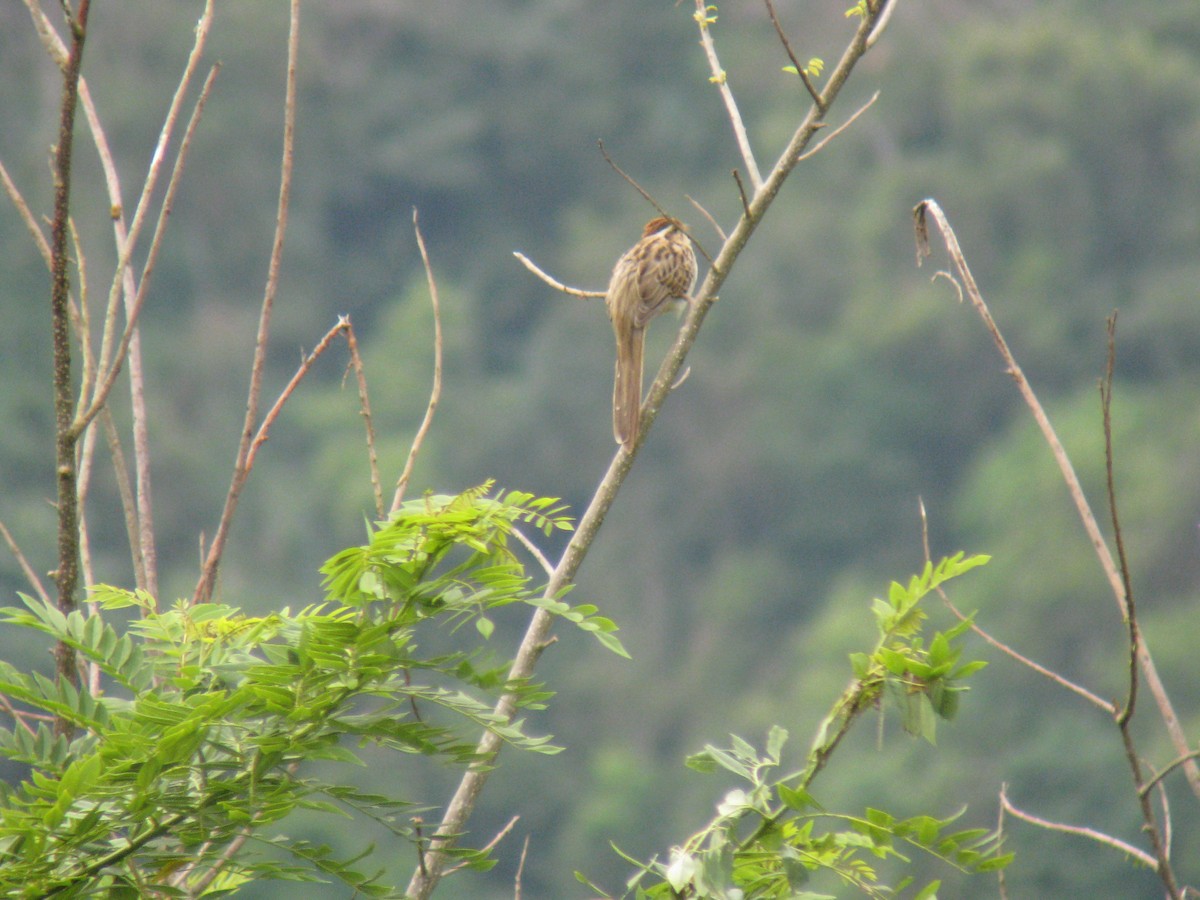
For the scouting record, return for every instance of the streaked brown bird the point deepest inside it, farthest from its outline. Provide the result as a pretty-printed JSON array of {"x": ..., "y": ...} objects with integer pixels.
[{"x": 650, "y": 277}]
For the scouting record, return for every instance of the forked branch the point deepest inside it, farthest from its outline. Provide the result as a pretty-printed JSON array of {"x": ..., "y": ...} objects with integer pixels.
[{"x": 922, "y": 213}]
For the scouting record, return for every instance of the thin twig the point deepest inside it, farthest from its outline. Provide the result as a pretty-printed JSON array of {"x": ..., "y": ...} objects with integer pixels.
[
  {"x": 720, "y": 78},
  {"x": 124, "y": 491},
  {"x": 490, "y": 845},
  {"x": 1106, "y": 384},
  {"x": 364, "y": 404},
  {"x": 1170, "y": 767},
  {"x": 115, "y": 358},
  {"x": 921, "y": 213},
  {"x": 829, "y": 137},
  {"x": 264, "y": 430},
  {"x": 520, "y": 869},
  {"x": 711, "y": 221},
  {"x": 649, "y": 199},
  {"x": 31, "y": 224},
  {"x": 1100, "y": 837},
  {"x": 629, "y": 178},
  {"x": 1008, "y": 651},
  {"x": 800, "y": 70},
  {"x": 554, "y": 282},
  {"x": 26, "y": 569},
  {"x": 534, "y": 551},
  {"x": 435, "y": 393},
  {"x": 737, "y": 177},
  {"x": 204, "y": 586}
]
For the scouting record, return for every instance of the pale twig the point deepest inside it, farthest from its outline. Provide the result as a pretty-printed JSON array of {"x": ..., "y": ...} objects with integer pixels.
[
  {"x": 490, "y": 845},
  {"x": 520, "y": 869},
  {"x": 124, "y": 491},
  {"x": 51, "y": 42},
  {"x": 534, "y": 551},
  {"x": 552, "y": 281},
  {"x": 1099, "y": 836},
  {"x": 800, "y": 69},
  {"x": 364, "y": 403},
  {"x": 134, "y": 308},
  {"x": 125, "y": 284},
  {"x": 711, "y": 221},
  {"x": 204, "y": 585},
  {"x": 26, "y": 569},
  {"x": 264, "y": 430},
  {"x": 126, "y": 242},
  {"x": 1154, "y": 683},
  {"x": 435, "y": 393},
  {"x": 829, "y": 137},
  {"x": 1170, "y": 767},
  {"x": 720, "y": 78},
  {"x": 1008, "y": 651},
  {"x": 31, "y": 225},
  {"x": 885, "y": 16}
]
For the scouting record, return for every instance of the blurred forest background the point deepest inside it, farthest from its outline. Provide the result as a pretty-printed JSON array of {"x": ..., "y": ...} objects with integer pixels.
[{"x": 832, "y": 386}]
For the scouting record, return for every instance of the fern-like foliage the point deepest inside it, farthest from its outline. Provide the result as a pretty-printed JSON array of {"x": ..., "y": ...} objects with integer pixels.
[
  {"x": 194, "y": 750},
  {"x": 770, "y": 836}
]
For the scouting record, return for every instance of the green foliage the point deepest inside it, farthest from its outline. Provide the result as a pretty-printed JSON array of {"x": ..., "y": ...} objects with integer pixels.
[
  {"x": 768, "y": 840},
  {"x": 198, "y": 738}
]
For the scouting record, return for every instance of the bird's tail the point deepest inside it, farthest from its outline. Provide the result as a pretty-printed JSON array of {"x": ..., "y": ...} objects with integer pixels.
[{"x": 627, "y": 386}]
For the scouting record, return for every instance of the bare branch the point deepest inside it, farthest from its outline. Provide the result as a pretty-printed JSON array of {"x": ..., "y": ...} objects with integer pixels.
[
  {"x": 720, "y": 78},
  {"x": 112, "y": 361},
  {"x": 31, "y": 224},
  {"x": 365, "y": 406},
  {"x": 534, "y": 551},
  {"x": 1008, "y": 651},
  {"x": 1154, "y": 683},
  {"x": 737, "y": 177},
  {"x": 1100, "y": 837},
  {"x": 26, "y": 569},
  {"x": 208, "y": 575},
  {"x": 800, "y": 69},
  {"x": 490, "y": 845},
  {"x": 264, "y": 430},
  {"x": 885, "y": 16},
  {"x": 553, "y": 282},
  {"x": 629, "y": 178},
  {"x": 1118, "y": 536},
  {"x": 1170, "y": 767},
  {"x": 520, "y": 869},
  {"x": 435, "y": 393},
  {"x": 711, "y": 221},
  {"x": 829, "y": 137}
]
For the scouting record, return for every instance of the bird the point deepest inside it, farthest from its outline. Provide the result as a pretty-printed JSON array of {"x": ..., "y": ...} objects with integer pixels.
[{"x": 653, "y": 275}]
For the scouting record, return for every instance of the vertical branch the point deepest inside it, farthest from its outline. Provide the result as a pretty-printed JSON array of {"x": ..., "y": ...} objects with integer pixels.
[
  {"x": 436, "y": 392},
  {"x": 1118, "y": 536},
  {"x": 66, "y": 438},
  {"x": 721, "y": 80},
  {"x": 208, "y": 575}
]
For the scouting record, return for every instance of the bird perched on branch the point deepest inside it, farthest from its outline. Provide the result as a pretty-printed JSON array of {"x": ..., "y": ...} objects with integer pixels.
[{"x": 651, "y": 276}]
